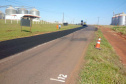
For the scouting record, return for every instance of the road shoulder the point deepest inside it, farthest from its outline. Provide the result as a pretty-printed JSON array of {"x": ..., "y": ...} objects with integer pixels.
[{"x": 117, "y": 42}]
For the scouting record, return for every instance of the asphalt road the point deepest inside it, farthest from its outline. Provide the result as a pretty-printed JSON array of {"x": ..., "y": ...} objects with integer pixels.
[
  {"x": 14, "y": 46},
  {"x": 49, "y": 63}
]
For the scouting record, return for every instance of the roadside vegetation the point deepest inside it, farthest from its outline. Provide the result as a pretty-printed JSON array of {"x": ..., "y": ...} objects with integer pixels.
[
  {"x": 11, "y": 31},
  {"x": 102, "y": 66},
  {"x": 120, "y": 29}
]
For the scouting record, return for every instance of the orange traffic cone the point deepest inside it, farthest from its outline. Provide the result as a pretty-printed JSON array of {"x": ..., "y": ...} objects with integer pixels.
[
  {"x": 99, "y": 39},
  {"x": 98, "y": 43}
]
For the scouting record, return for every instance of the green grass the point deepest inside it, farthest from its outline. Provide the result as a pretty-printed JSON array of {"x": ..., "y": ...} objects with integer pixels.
[
  {"x": 102, "y": 66},
  {"x": 11, "y": 31},
  {"x": 120, "y": 29}
]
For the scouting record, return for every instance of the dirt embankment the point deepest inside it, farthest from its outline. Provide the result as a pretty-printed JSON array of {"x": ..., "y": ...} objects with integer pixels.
[{"x": 117, "y": 40}]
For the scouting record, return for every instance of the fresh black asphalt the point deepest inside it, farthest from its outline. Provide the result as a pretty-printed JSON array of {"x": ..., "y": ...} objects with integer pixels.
[{"x": 11, "y": 47}]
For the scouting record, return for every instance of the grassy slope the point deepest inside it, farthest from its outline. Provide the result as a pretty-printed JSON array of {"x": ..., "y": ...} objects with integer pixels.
[
  {"x": 121, "y": 29},
  {"x": 12, "y": 31},
  {"x": 102, "y": 66}
]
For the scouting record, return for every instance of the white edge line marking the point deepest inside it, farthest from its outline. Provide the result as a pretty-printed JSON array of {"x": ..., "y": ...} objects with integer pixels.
[{"x": 57, "y": 80}]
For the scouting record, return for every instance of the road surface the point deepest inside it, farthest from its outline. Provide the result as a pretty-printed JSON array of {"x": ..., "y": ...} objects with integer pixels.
[
  {"x": 11, "y": 47},
  {"x": 53, "y": 62}
]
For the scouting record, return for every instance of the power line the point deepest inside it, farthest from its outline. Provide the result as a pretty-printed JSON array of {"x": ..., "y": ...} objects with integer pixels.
[
  {"x": 17, "y": 2},
  {"x": 4, "y": 6},
  {"x": 121, "y": 5},
  {"x": 40, "y": 9}
]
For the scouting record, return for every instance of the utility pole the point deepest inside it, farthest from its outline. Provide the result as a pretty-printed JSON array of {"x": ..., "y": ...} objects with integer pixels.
[
  {"x": 98, "y": 20},
  {"x": 86, "y": 20},
  {"x": 63, "y": 17},
  {"x": 113, "y": 13}
]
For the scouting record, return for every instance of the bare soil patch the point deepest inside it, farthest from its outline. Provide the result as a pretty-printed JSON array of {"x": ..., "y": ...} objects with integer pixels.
[
  {"x": 122, "y": 35},
  {"x": 117, "y": 40}
]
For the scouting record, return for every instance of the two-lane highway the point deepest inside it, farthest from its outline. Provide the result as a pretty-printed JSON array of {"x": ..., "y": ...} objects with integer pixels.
[{"x": 49, "y": 63}]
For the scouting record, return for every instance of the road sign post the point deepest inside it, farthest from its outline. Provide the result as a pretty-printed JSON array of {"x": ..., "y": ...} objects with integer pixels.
[{"x": 26, "y": 20}]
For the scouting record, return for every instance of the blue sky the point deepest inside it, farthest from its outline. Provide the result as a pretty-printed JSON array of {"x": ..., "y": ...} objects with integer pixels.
[{"x": 74, "y": 10}]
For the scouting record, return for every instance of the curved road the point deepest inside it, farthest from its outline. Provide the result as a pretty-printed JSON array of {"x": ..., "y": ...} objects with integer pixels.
[{"x": 50, "y": 63}]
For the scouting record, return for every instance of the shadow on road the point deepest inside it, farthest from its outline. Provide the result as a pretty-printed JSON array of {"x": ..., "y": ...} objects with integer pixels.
[
  {"x": 79, "y": 39},
  {"x": 74, "y": 39},
  {"x": 11, "y": 47}
]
